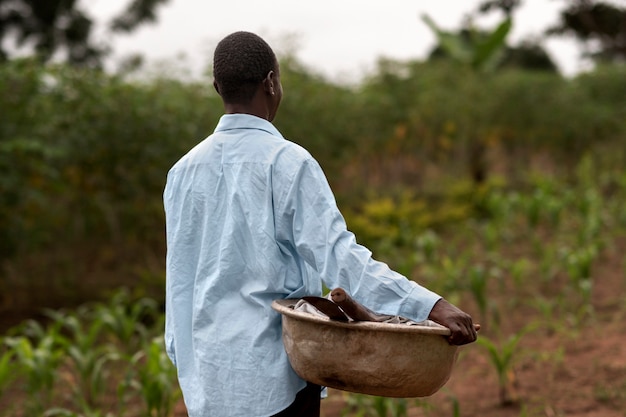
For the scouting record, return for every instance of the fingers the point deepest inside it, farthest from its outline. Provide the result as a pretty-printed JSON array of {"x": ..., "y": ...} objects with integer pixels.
[
  {"x": 463, "y": 333},
  {"x": 460, "y": 323}
]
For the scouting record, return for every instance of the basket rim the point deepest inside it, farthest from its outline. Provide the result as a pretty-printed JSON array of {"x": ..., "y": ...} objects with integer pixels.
[{"x": 285, "y": 308}]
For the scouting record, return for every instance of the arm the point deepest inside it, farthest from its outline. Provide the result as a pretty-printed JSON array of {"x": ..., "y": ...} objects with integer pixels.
[{"x": 308, "y": 220}]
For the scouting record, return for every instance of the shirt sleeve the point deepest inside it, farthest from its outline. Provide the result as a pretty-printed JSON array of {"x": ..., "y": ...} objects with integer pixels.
[{"x": 309, "y": 220}]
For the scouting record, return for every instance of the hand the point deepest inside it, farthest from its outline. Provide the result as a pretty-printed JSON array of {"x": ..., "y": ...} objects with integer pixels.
[{"x": 460, "y": 323}]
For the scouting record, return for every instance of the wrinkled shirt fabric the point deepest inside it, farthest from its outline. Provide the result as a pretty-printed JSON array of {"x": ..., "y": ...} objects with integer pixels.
[{"x": 250, "y": 218}]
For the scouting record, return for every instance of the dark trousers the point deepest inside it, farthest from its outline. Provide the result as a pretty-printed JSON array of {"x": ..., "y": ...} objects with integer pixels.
[{"x": 306, "y": 404}]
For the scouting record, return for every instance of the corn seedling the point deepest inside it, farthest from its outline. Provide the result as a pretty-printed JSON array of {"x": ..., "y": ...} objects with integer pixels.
[
  {"x": 548, "y": 265},
  {"x": 452, "y": 271},
  {"x": 548, "y": 309},
  {"x": 456, "y": 407},
  {"x": 390, "y": 407},
  {"x": 503, "y": 356},
  {"x": 533, "y": 206},
  {"x": 63, "y": 412},
  {"x": 578, "y": 263},
  {"x": 7, "y": 370},
  {"x": 497, "y": 205},
  {"x": 373, "y": 406},
  {"x": 427, "y": 244},
  {"x": 154, "y": 378},
  {"x": 86, "y": 355},
  {"x": 125, "y": 318},
  {"x": 478, "y": 282},
  {"x": 554, "y": 209},
  {"x": 519, "y": 270},
  {"x": 356, "y": 406},
  {"x": 491, "y": 234},
  {"x": 38, "y": 362}
]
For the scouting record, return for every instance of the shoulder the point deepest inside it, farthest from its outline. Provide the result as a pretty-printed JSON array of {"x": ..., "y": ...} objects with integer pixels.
[
  {"x": 294, "y": 158},
  {"x": 296, "y": 151}
]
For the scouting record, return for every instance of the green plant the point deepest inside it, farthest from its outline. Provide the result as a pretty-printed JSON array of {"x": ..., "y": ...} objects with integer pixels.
[
  {"x": 549, "y": 311},
  {"x": 480, "y": 51},
  {"x": 7, "y": 368},
  {"x": 502, "y": 356},
  {"x": 127, "y": 319},
  {"x": 519, "y": 270},
  {"x": 456, "y": 407},
  {"x": 153, "y": 377},
  {"x": 492, "y": 234},
  {"x": 578, "y": 263},
  {"x": 87, "y": 355},
  {"x": 452, "y": 269},
  {"x": 478, "y": 277},
  {"x": 427, "y": 244},
  {"x": 373, "y": 406},
  {"x": 63, "y": 412},
  {"x": 38, "y": 360}
]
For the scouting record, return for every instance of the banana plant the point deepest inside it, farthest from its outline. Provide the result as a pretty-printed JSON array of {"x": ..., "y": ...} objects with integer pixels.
[{"x": 480, "y": 50}]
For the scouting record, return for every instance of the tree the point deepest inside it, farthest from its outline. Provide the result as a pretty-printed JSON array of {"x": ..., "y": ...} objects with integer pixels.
[
  {"x": 528, "y": 55},
  {"x": 51, "y": 28},
  {"x": 599, "y": 26}
]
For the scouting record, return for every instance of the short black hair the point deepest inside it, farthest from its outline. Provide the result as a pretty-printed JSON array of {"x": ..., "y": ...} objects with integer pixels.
[{"x": 240, "y": 62}]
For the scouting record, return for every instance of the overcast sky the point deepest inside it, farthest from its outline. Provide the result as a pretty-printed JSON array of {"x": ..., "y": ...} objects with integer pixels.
[{"x": 341, "y": 39}]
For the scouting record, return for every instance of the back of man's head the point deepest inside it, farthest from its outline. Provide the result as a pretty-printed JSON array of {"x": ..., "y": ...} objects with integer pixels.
[{"x": 240, "y": 62}]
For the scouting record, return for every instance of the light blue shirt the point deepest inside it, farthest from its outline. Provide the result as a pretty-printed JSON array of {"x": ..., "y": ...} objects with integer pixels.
[{"x": 250, "y": 218}]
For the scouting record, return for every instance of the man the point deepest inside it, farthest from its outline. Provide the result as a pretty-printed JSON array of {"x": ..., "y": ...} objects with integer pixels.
[{"x": 250, "y": 218}]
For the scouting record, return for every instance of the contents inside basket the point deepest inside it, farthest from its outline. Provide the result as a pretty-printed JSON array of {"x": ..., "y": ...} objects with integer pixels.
[{"x": 340, "y": 306}]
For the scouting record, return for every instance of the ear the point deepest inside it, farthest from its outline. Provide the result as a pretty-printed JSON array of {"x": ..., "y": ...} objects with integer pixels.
[
  {"x": 268, "y": 83},
  {"x": 216, "y": 87}
]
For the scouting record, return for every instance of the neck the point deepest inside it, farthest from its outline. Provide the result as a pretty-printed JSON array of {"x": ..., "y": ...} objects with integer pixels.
[
  {"x": 246, "y": 109},
  {"x": 258, "y": 106}
]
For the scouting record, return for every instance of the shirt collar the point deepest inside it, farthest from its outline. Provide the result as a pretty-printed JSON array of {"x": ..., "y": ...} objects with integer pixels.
[{"x": 245, "y": 121}]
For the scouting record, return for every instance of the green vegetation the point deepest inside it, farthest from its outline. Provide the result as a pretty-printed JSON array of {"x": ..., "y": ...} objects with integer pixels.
[
  {"x": 79, "y": 365},
  {"x": 84, "y": 156}
]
